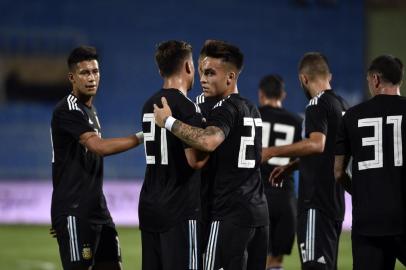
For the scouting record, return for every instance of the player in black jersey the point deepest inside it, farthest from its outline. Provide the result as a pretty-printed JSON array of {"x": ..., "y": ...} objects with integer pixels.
[
  {"x": 205, "y": 101},
  {"x": 373, "y": 133},
  {"x": 280, "y": 127},
  {"x": 321, "y": 201},
  {"x": 84, "y": 228},
  {"x": 206, "y": 104},
  {"x": 238, "y": 208},
  {"x": 169, "y": 208}
]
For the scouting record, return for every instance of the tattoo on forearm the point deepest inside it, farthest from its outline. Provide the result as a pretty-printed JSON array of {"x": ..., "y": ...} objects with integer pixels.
[{"x": 194, "y": 136}]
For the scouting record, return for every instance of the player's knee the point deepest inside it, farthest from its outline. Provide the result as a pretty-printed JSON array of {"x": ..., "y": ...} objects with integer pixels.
[{"x": 313, "y": 266}]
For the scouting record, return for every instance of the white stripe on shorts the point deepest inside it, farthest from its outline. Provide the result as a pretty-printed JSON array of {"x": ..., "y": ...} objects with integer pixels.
[
  {"x": 211, "y": 246},
  {"x": 73, "y": 239}
]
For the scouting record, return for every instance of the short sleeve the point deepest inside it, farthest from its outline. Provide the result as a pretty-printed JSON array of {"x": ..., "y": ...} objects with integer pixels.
[
  {"x": 316, "y": 118},
  {"x": 342, "y": 139},
  {"x": 73, "y": 122},
  {"x": 223, "y": 117}
]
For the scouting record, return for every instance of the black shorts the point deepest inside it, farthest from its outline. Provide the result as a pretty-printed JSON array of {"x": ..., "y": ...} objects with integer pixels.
[
  {"x": 174, "y": 249},
  {"x": 377, "y": 252},
  {"x": 318, "y": 237},
  {"x": 86, "y": 244},
  {"x": 282, "y": 222},
  {"x": 234, "y": 247}
]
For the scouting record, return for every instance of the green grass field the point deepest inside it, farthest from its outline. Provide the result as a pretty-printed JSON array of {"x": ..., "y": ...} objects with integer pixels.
[{"x": 31, "y": 248}]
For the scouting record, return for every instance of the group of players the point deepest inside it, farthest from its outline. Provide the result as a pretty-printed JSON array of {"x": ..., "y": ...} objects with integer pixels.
[{"x": 218, "y": 188}]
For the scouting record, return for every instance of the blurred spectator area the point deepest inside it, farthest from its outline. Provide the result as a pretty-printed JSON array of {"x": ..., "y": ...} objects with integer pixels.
[
  {"x": 33, "y": 64},
  {"x": 37, "y": 36}
]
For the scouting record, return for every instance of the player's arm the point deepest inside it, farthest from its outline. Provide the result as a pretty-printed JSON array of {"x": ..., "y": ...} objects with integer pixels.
[
  {"x": 340, "y": 173},
  {"x": 195, "y": 158},
  {"x": 309, "y": 146},
  {"x": 105, "y": 147},
  {"x": 206, "y": 140},
  {"x": 281, "y": 172}
]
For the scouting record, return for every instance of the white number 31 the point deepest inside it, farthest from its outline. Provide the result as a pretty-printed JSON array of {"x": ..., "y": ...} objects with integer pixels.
[{"x": 376, "y": 141}]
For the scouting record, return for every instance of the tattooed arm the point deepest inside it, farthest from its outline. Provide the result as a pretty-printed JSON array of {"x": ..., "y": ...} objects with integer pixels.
[{"x": 206, "y": 140}]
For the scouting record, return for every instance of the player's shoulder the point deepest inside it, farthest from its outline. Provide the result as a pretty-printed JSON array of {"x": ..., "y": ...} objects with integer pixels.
[
  {"x": 200, "y": 99},
  {"x": 317, "y": 100},
  {"x": 232, "y": 102},
  {"x": 279, "y": 113},
  {"x": 68, "y": 104},
  {"x": 329, "y": 100},
  {"x": 291, "y": 116}
]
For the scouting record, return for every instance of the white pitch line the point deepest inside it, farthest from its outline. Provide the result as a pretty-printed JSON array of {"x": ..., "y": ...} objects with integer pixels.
[{"x": 34, "y": 264}]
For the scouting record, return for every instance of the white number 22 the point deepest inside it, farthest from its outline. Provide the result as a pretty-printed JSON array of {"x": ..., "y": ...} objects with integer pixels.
[{"x": 289, "y": 132}]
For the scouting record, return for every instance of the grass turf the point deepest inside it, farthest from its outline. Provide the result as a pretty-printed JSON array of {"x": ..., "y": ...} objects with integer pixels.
[{"x": 31, "y": 248}]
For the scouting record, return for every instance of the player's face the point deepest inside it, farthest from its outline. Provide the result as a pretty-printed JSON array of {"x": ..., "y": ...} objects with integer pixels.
[
  {"x": 213, "y": 77},
  {"x": 85, "y": 78}
]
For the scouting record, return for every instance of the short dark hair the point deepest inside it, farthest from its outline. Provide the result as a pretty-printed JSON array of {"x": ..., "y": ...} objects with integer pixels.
[
  {"x": 170, "y": 54},
  {"x": 224, "y": 51},
  {"x": 314, "y": 64},
  {"x": 203, "y": 49},
  {"x": 82, "y": 53},
  {"x": 272, "y": 86},
  {"x": 389, "y": 67}
]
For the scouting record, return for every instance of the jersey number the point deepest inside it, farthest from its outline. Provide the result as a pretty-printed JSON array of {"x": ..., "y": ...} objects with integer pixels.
[
  {"x": 150, "y": 137},
  {"x": 289, "y": 132},
  {"x": 376, "y": 141},
  {"x": 243, "y": 162}
]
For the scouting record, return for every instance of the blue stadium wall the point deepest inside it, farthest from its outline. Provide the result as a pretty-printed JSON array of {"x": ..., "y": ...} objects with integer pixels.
[{"x": 273, "y": 35}]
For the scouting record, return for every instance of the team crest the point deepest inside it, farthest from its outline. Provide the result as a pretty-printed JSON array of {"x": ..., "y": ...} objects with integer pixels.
[{"x": 87, "y": 253}]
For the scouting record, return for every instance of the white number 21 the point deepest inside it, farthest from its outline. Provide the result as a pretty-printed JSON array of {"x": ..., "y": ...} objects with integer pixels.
[{"x": 150, "y": 137}]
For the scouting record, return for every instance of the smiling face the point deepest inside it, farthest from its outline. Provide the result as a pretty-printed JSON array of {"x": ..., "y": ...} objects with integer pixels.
[
  {"x": 214, "y": 77},
  {"x": 85, "y": 77}
]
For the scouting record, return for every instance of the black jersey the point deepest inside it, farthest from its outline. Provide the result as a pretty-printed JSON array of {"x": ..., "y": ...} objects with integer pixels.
[
  {"x": 237, "y": 192},
  {"x": 206, "y": 104},
  {"x": 279, "y": 127},
  {"x": 373, "y": 133},
  {"x": 77, "y": 173},
  {"x": 170, "y": 192},
  {"x": 317, "y": 186}
]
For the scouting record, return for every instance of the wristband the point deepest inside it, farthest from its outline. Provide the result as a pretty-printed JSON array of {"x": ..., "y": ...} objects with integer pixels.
[
  {"x": 169, "y": 122},
  {"x": 140, "y": 136}
]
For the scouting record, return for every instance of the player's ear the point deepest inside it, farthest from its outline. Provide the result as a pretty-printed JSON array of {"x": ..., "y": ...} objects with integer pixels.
[
  {"x": 283, "y": 96},
  {"x": 70, "y": 77},
  {"x": 377, "y": 80},
  {"x": 230, "y": 77},
  {"x": 188, "y": 67},
  {"x": 260, "y": 97},
  {"x": 303, "y": 78},
  {"x": 330, "y": 77}
]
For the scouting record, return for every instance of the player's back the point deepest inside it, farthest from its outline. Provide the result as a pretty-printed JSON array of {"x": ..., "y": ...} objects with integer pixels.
[
  {"x": 170, "y": 191},
  {"x": 280, "y": 127},
  {"x": 237, "y": 193},
  {"x": 377, "y": 139}
]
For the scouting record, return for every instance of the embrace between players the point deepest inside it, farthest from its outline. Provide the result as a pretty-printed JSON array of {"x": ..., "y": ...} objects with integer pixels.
[{"x": 203, "y": 204}]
